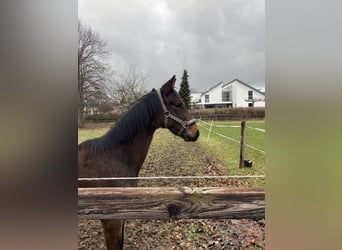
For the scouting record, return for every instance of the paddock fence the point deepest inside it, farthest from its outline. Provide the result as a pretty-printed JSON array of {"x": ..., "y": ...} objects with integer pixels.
[
  {"x": 208, "y": 126},
  {"x": 171, "y": 203}
]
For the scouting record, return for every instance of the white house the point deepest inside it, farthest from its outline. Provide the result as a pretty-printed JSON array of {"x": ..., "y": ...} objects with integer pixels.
[
  {"x": 232, "y": 94},
  {"x": 196, "y": 97}
]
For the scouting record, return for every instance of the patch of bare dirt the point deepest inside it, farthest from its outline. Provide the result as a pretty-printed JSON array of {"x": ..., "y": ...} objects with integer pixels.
[{"x": 172, "y": 156}]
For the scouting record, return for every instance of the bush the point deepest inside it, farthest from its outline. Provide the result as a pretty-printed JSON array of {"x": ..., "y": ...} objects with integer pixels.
[
  {"x": 227, "y": 114},
  {"x": 218, "y": 114},
  {"x": 104, "y": 117}
]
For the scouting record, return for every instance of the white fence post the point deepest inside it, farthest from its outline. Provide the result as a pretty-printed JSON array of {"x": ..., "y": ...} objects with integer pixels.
[{"x": 211, "y": 125}]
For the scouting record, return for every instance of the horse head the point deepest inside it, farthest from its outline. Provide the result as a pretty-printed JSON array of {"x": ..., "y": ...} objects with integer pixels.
[{"x": 175, "y": 115}]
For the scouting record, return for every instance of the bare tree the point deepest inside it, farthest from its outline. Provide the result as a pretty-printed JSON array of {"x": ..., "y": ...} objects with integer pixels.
[
  {"x": 93, "y": 71},
  {"x": 128, "y": 86}
]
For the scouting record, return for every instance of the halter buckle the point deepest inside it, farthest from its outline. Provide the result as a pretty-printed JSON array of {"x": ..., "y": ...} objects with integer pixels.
[{"x": 185, "y": 124}]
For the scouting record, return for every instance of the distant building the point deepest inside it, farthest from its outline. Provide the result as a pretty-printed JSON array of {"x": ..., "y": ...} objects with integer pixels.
[
  {"x": 196, "y": 97},
  {"x": 232, "y": 94}
]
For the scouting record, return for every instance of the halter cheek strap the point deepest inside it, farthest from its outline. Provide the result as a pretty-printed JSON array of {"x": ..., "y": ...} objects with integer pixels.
[{"x": 185, "y": 124}]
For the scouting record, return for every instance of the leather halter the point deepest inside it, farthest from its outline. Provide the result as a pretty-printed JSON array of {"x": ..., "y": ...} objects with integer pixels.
[{"x": 185, "y": 124}]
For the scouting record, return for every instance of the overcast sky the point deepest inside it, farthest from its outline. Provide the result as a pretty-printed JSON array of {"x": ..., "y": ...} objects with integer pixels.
[{"x": 213, "y": 40}]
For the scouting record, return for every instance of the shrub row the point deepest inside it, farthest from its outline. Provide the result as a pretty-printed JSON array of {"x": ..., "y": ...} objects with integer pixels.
[
  {"x": 205, "y": 114},
  {"x": 229, "y": 113},
  {"x": 105, "y": 117}
]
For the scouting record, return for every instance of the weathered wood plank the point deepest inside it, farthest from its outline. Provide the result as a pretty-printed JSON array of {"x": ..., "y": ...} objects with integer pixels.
[{"x": 171, "y": 203}]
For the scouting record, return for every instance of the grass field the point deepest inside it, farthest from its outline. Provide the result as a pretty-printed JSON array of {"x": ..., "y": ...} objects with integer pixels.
[
  {"x": 172, "y": 156},
  {"x": 85, "y": 134},
  {"x": 228, "y": 151}
]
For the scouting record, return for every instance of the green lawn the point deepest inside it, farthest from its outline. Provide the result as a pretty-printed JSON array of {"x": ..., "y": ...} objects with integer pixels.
[
  {"x": 225, "y": 150},
  {"x": 228, "y": 151},
  {"x": 85, "y": 134}
]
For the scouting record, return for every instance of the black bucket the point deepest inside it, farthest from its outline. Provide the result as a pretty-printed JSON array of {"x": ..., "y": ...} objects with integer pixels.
[{"x": 247, "y": 163}]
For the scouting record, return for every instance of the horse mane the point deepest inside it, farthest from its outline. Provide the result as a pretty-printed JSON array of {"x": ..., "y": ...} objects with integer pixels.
[{"x": 138, "y": 117}]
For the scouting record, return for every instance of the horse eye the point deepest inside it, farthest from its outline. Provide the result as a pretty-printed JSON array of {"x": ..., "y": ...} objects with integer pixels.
[{"x": 177, "y": 105}]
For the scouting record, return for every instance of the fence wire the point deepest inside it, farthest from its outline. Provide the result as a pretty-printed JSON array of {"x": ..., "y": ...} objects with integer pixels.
[{"x": 229, "y": 138}]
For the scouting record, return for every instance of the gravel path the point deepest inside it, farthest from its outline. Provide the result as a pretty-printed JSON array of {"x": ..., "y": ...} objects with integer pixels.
[{"x": 172, "y": 156}]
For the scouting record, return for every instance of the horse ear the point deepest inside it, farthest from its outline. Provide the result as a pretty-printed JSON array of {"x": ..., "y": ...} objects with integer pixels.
[{"x": 169, "y": 85}]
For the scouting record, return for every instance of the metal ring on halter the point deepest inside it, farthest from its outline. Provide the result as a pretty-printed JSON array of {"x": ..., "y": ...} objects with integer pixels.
[{"x": 185, "y": 124}]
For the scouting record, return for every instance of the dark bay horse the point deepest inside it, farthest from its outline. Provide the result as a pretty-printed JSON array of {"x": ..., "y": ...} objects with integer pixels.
[{"x": 122, "y": 150}]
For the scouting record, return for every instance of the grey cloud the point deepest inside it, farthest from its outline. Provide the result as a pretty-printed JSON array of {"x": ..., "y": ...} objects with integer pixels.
[{"x": 214, "y": 40}]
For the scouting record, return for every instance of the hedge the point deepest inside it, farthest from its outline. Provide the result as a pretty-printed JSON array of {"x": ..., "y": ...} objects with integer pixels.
[
  {"x": 105, "y": 117},
  {"x": 205, "y": 114},
  {"x": 229, "y": 113}
]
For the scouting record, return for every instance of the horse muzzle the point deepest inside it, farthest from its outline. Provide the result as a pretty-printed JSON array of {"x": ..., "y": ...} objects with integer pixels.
[{"x": 189, "y": 137}]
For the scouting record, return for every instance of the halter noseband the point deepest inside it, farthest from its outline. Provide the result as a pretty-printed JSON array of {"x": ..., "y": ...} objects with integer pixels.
[{"x": 185, "y": 124}]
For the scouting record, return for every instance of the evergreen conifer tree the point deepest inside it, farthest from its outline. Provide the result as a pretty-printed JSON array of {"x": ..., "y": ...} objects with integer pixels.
[{"x": 184, "y": 90}]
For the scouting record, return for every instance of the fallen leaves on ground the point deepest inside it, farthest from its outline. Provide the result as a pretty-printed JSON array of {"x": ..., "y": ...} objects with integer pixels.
[{"x": 172, "y": 156}]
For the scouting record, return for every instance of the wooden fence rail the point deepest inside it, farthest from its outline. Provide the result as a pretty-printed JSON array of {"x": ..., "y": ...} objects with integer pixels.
[{"x": 171, "y": 203}]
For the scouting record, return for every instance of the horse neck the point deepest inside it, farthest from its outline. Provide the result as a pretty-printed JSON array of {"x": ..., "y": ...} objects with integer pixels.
[
  {"x": 134, "y": 131},
  {"x": 136, "y": 149},
  {"x": 141, "y": 117}
]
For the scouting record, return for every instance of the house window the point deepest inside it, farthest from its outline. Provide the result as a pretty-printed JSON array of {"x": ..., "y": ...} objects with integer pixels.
[
  {"x": 206, "y": 98},
  {"x": 251, "y": 104},
  {"x": 250, "y": 95},
  {"x": 226, "y": 96}
]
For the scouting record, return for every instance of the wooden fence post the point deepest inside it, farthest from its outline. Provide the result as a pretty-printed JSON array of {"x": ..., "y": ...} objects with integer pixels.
[{"x": 242, "y": 141}]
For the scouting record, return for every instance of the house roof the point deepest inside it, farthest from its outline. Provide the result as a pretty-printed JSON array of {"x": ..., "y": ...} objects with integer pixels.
[
  {"x": 247, "y": 85},
  {"x": 226, "y": 84},
  {"x": 212, "y": 88}
]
